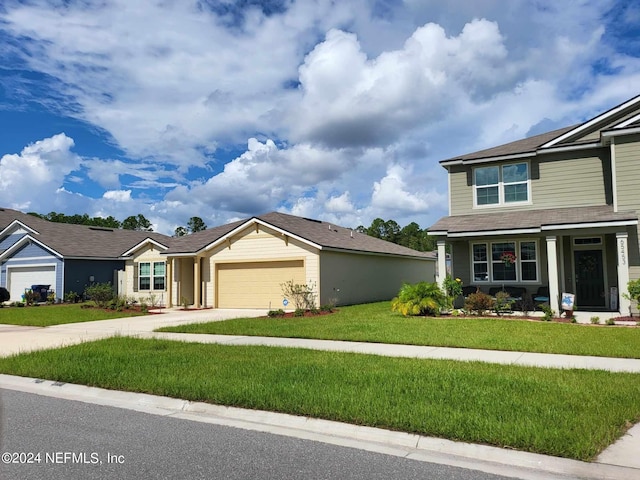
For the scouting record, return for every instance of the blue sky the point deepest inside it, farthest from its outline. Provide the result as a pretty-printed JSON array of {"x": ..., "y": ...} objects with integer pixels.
[{"x": 333, "y": 110}]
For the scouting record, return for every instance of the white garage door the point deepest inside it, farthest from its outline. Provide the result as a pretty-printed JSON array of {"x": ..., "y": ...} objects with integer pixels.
[
  {"x": 256, "y": 285},
  {"x": 19, "y": 278}
]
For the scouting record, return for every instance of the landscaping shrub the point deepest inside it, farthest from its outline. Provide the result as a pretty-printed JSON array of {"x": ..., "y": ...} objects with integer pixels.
[
  {"x": 595, "y": 320},
  {"x": 502, "y": 302},
  {"x": 633, "y": 291},
  {"x": 479, "y": 303},
  {"x": 452, "y": 289},
  {"x": 275, "y": 313},
  {"x": 71, "y": 297},
  {"x": 30, "y": 297},
  {"x": 549, "y": 313},
  {"x": 421, "y": 298},
  {"x": 100, "y": 293},
  {"x": 301, "y": 294}
]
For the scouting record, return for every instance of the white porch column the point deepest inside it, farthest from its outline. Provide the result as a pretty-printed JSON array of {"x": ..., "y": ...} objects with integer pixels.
[
  {"x": 196, "y": 282},
  {"x": 442, "y": 263},
  {"x": 623, "y": 271},
  {"x": 169, "y": 281},
  {"x": 552, "y": 266}
]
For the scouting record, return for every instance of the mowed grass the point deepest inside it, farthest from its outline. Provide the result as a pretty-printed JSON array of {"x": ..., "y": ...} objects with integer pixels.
[
  {"x": 376, "y": 323},
  {"x": 567, "y": 413},
  {"x": 47, "y": 315}
]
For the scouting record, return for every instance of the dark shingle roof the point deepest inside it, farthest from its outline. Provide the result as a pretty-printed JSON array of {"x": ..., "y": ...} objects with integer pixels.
[
  {"x": 90, "y": 242},
  {"x": 79, "y": 240},
  {"x": 324, "y": 234},
  {"x": 527, "y": 145},
  {"x": 530, "y": 219}
]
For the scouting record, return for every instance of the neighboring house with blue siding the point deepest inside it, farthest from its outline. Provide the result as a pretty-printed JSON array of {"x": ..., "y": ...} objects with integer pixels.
[
  {"x": 66, "y": 257},
  {"x": 553, "y": 213}
]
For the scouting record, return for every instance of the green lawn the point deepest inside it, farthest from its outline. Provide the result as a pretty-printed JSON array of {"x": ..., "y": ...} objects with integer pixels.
[
  {"x": 567, "y": 413},
  {"x": 46, "y": 315},
  {"x": 376, "y": 322}
]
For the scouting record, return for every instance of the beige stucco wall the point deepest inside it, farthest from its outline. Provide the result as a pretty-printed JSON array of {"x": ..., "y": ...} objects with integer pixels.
[
  {"x": 557, "y": 180},
  {"x": 250, "y": 245},
  {"x": 352, "y": 278},
  {"x": 149, "y": 253}
]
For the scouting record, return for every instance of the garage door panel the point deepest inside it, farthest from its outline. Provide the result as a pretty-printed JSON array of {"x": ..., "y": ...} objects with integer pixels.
[
  {"x": 256, "y": 284},
  {"x": 20, "y": 278}
]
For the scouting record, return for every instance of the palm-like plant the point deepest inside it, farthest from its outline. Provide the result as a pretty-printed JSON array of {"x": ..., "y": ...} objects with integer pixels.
[{"x": 421, "y": 298}]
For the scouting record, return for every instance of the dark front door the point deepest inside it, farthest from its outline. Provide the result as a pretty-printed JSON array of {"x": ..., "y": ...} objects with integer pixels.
[{"x": 589, "y": 279}]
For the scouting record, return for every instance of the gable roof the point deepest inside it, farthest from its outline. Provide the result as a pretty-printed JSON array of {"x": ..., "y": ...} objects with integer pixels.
[
  {"x": 622, "y": 119},
  {"x": 321, "y": 235},
  {"x": 81, "y": 241},
  {"x": 531, "y": 221}
]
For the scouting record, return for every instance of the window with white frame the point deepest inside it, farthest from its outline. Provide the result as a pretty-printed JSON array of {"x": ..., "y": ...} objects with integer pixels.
[
  {"x": 501, "y": 269},
  {"x": 480, "y": 263},
  {"x": 500, "y": 185},
  {"x": 151, "y": 274},
  {"x": 514, "y": 261}
]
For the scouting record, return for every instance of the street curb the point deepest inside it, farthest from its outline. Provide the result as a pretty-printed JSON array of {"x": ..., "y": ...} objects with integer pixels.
[{"x": 524, "y": 465}]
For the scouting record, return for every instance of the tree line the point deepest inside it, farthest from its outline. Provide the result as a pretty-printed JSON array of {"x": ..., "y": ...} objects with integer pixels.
[
  {"x": 411, "y": 235},
  {"x": 133, "y": 222}
]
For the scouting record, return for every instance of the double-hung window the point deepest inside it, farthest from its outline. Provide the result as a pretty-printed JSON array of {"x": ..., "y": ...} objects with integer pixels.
[
  {"x": 499, "y": 185},
  {"x": 151, "y": 274},
  {"x": 490, "y": 262}
]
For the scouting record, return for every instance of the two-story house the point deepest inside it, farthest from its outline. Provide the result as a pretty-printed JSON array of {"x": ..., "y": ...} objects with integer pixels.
[{"x": 565, "y": 204}]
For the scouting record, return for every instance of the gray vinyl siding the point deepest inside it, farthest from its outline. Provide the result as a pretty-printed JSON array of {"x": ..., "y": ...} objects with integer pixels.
[
  {"x": 349, "y": 278},
  {"x": 77, "y": 273},
  {"x": 627, "y": 161},
  {"x": 556, "y": 180},
  {"x": 569, "y": 182},
  {"x": 461, "y": 193},
  {"x": 461, "y": 261}
]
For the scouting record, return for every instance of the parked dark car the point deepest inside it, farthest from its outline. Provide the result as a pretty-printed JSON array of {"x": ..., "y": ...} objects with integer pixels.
[{"x": 4, "y": 295}]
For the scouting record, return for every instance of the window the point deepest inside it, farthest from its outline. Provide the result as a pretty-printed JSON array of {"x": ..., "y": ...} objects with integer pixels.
[
  {"x": 493, "y": 268},
  {"x": 500, "y": 185},
  {"x": 147, "y": 277},
  {"x": 501, "y": 270},
  {"x": 528, "y": 262},
  {"x": 158, "y": 275},
  {"x": 487, "y": 180},
  {"x": 480, "y": 265}
]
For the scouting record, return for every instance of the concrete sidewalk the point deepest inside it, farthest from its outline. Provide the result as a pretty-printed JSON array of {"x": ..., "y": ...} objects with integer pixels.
[{"x": 15, "y": 339}]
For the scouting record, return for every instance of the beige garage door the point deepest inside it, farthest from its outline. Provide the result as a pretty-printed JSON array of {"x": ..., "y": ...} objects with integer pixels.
[{"x": 256, "y": 285}]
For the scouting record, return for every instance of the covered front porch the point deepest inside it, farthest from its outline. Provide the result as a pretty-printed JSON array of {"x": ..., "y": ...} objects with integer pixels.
[
  {"x": 544, "y": 255},
  {"x": 187, "y": 280}
]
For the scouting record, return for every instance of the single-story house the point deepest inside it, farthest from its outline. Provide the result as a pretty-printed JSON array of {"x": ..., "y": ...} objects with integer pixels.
[
  {"x": 243, "y": 264},
  {"x": 66, "y": 257}
]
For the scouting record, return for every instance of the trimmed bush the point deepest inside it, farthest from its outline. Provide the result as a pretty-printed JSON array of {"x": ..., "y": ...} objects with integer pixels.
[
  {"x": 479, "y": 303},
  {"x": 100, "y": 293}
]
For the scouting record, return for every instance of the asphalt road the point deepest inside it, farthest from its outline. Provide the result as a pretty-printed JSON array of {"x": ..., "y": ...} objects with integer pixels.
[{"x": 69, "y": 440}]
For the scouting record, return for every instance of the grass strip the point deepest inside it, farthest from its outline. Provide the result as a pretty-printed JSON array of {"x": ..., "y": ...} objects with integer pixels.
[
  {"x": 566, "y": 413},
  {"x": 47, "y": 315},
  {"x": 376, "y": 323}
]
